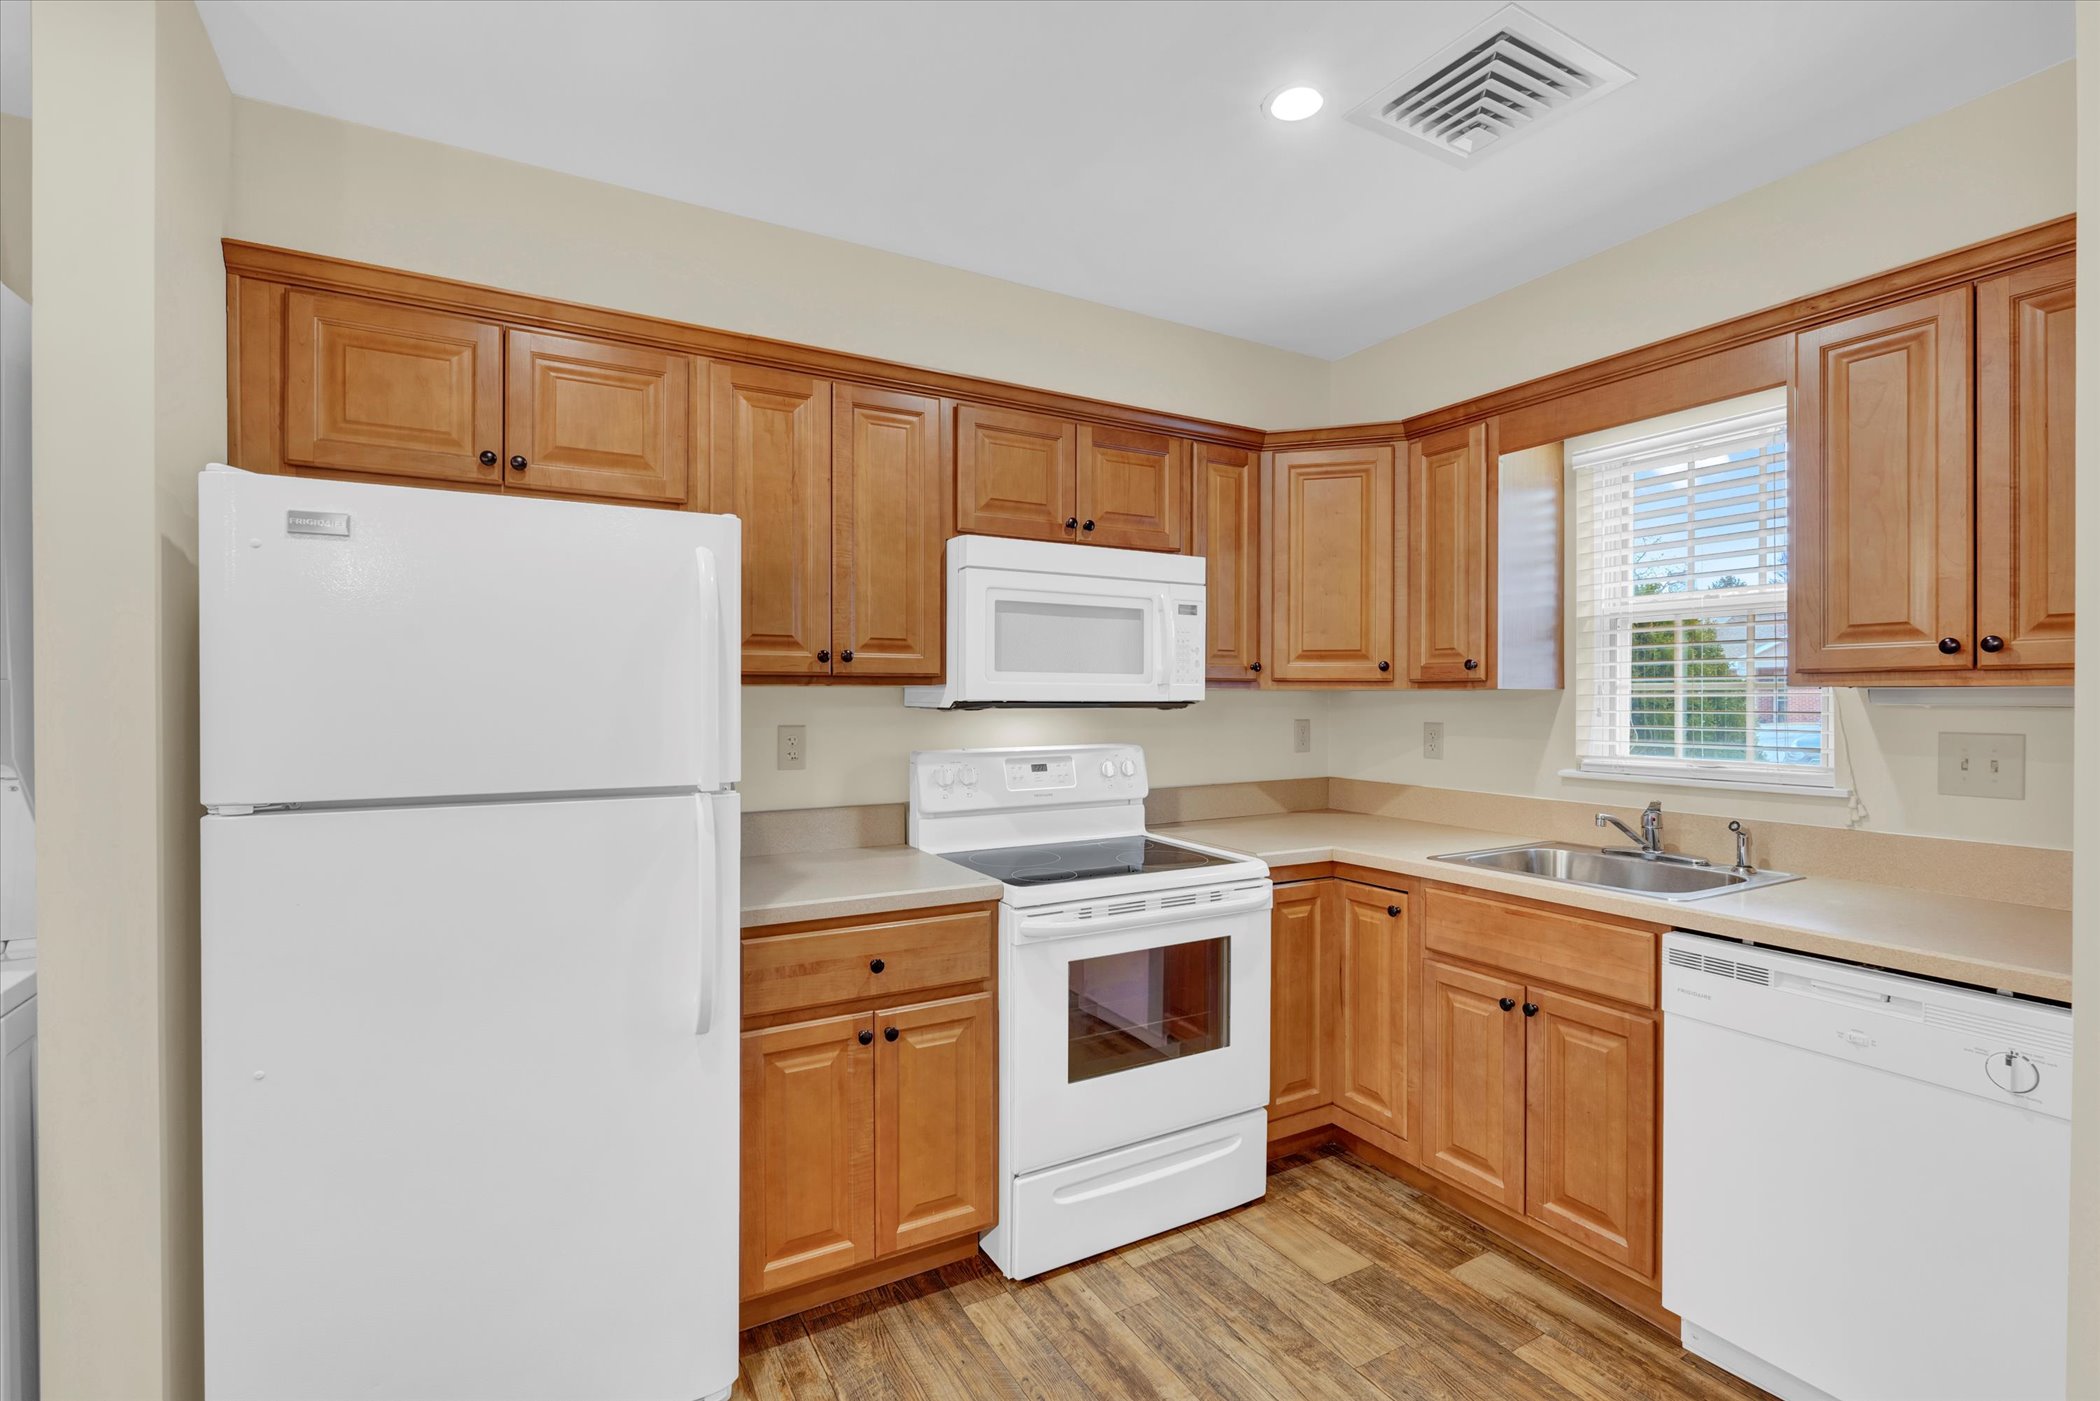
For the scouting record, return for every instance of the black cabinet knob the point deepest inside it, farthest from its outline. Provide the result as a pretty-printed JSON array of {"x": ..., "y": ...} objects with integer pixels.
[
  {"x": 1950, "y": 645},
  {"x": 875, "y": 965},
  {"x": 823, "y": 654},
  {"x": 1508, "y": 1002},
  {"x": 847, "y": 655},
  {"x": 1392, "y": 911},
  {"x": 1385, "y": 666},
  {"x": 1531, "y": 1009},
  {"x": 1992, "y": 643},
  {"x": 488, "y": 459},
  {"x": 1472, "y": 665},
  {"x": 517, "y": 464},
  {"x": 889, "y": 1033},
  {"x": 867, "y": 1038},
  {"x": 1088, "y": 526},
  {"x": 1071, "y": 522},
  {"x": 1254, "y": 666}
]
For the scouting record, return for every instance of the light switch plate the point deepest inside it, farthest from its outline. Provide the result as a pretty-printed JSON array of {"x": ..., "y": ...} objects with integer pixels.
[
  {"x": 1983, "y": 766},
  {"x": 793, "y": 747},
  {"x": 1432, "y": 739},
  {"x": 1301, "y": 736}
]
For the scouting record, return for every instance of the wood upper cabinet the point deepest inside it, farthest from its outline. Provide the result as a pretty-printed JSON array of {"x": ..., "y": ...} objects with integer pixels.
[
  {"x": 808, "y": 1156},
  {"x": 1015, "y": 474},
  {"x": 1882, "y": 564},
  {"x": 1590, "y": 1125},
  {"x": 1227, "y": 534},
  {"x": 1450, "y": 547},
  {"x": 1132, "y": 488},
  {"x": 1475, "y": 1078},
  {"x": 591, "y": 418},
  {"x": 393, "y": 390},
  {"x": 888, "y": 522},
  {"x": 1371, "y": 1033},
  {"x": 771, "y": 467},
  {"x": 936, "y": 1136},
  {"x": 1330, "y": 530},
  {"x": 1304, "y": 988},
  {"x": 2025, "y": 467}
]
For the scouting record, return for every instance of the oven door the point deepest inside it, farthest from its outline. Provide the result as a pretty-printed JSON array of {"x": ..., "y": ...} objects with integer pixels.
[
  {"x": 1151, "y": 1022},
  {"x": 1065, "y": 638}
]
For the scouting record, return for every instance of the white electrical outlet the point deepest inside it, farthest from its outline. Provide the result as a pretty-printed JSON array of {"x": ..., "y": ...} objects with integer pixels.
[
  {"x": 1432, "y": 739},
  {"x": 1983, "y": 766},
  {"x": 793, "y": 747},
  {"x": 1301, "y": 736}
]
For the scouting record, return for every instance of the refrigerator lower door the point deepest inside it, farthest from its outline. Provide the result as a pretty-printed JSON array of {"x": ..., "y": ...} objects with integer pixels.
[
  {"x": 363, "y": 643},
  {"x": 463, "y": 1134}
]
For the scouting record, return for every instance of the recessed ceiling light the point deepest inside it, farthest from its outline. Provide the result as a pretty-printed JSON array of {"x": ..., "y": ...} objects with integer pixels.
[{"x": 1293, "y": 104}]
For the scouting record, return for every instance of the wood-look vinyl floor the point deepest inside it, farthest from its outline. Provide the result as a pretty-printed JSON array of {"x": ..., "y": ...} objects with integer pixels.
[{"x": 1341, "y": 1283}]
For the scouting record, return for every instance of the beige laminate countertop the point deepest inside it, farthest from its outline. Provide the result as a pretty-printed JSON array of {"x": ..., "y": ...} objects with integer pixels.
[
  {"x": 1991, "y": 943},
  {"x": 849, "y": 881}
]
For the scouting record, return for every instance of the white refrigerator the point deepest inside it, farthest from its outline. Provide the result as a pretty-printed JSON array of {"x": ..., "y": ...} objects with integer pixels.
[{"x": 469, "y": 955}]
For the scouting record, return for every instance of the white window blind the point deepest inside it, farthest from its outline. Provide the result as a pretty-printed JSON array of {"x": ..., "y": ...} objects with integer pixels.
[{"x": 1681, "y": 641}]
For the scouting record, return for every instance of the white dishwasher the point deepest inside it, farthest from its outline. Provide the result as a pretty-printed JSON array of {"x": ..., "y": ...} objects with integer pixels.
[{"x": 1866, "y": 1178}]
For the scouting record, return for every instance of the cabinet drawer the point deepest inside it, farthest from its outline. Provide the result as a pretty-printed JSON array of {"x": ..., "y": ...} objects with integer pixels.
[
  {"x": 786, "y": 971},
  {"x": 1553, "y": 946}
]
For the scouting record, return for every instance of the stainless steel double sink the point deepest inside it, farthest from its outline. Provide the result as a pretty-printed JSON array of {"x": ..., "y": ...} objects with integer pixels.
[{"x": 1664, "y": 877}]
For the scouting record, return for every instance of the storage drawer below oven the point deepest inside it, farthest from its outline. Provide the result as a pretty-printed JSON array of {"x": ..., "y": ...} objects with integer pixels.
[{"x": 1067, "y": 1213}]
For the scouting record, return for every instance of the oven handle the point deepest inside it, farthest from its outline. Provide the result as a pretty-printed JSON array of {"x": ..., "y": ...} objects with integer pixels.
[{"x": 1059, "y": 925}]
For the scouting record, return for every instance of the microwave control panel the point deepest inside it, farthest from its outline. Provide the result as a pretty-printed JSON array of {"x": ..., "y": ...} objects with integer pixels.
[{"x": 1190, "y": 641}]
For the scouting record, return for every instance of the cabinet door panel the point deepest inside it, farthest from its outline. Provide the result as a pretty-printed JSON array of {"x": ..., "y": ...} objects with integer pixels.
[
  {"x": 936, "y": 1140},
  {"x": 2025, "y": 466},
  {"x": 1332, "y": 545},
  {"x": 1133, "y": 488},
  {"x": 598, "y": 419},
  {"x": 1590, "y": 1120},
  {"x": 1015, "y": 474},
  {"x": 1370, "y": 1038},
  {"x": 1880, "y": 491},
  {"x": 771, "y": 467},
  {"x": 1228, "y": 536},
  {"x": 1448, "y": 557},
  {"x": 808, "y": 1152},
  {"x": 888, "y": 522},
  {"x": 1475, "y": 1132},
  {"x": 372, "y": 387},
  {"x": 1303, "y": 989}
]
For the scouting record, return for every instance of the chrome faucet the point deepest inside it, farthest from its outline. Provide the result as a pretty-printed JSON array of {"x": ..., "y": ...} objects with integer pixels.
[
  {"x": 1742, "y": 850},
  {"x": 1648, "y": 841}
]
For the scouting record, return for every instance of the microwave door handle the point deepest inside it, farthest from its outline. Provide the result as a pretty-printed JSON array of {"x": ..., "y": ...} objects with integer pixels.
[{"x": 1165, "y": 631}]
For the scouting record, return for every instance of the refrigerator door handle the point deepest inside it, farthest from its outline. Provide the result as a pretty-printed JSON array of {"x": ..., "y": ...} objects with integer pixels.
[
  {"x": 713, "y": 762},
  {"x": 710, "y": 917}
]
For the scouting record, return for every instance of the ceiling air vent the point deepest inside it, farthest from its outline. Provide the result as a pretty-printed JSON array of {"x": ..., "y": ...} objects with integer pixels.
[{"x": 1506, "y": 77}]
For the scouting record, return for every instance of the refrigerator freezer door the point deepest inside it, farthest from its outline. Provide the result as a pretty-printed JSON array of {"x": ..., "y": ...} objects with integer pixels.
[
  {"x": 376, "y": 643},
  {"x": 460, "y": 1136}
]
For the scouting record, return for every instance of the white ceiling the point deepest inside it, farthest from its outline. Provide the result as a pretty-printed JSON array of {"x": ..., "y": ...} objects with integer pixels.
[{"x": 1117, "y": 152}]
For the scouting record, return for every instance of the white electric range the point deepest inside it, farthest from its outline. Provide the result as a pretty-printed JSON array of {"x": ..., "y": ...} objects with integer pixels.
[{"x": 1133, "y": 999}]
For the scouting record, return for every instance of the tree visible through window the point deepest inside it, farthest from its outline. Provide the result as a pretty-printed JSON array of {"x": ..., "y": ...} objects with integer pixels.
[{"x": 1681, "y": 558}]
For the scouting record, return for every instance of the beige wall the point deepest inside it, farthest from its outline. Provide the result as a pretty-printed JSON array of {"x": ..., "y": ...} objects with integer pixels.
[
  {"x": 2085, "y": 880},
  {"x": 325, "y": 186},
  {"x": 1996, "y": 164},
  {"x": 129, "y": 402},
  {"x": 14, "y": 204}
]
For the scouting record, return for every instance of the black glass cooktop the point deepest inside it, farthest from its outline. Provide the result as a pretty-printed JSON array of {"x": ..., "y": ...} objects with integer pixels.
[{"x": 1054, "y": 862}]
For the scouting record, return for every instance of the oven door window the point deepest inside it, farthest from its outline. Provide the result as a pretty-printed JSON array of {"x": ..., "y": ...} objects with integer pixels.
[{"x": 1146, "y": 1006}]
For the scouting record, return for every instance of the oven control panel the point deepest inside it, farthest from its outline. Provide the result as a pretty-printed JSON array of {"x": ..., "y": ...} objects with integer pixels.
[{"x": 986, "y": 780}]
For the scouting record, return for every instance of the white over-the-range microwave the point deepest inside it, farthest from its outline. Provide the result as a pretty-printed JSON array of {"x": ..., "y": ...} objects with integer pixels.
[{"x": 1035, "y": 623}]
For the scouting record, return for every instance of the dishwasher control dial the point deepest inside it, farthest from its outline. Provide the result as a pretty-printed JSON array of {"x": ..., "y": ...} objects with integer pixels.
[{"x": 2009, "y": 1070}]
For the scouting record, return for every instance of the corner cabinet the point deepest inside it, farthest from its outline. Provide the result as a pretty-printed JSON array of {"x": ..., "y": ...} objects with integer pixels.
[
  {"x": 1449, "y": 558},
  {"x": 1228, "y": 535},
  {"x": 1330, "y": 528},
  {"x": 1932, "y": 488}
]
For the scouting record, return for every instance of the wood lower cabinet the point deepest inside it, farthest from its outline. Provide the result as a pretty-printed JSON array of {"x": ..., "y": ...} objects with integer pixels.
[
  {"x": 889, "y": 498},
  {"x": 370, "y": 387},
  {"x": 1374, "y": 966},
  {"x": 590, "y": 418},
  {"x": 2026, "y": 492},
  {"x": 1227, "y": 533},
  {"x": 1590, "y": 1125},
  {"x": 1304, "y": 992},
  {"x": 1450, "y": 563},
  {"x": 771, "y": 468},
  {"x": 1132, "y": 489},
  {"x": 1330, "y": 528},
  {"x": 1475, "y": 1074},
  {"x": 870, "y": 1131},
  {"x": 1015, "y": 474}
]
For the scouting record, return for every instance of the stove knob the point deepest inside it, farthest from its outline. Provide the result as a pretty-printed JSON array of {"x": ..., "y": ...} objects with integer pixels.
[
  {"x": 1129, "y": 768},
  {"x": 944, "y": 777},
  {"x": 1108, "y": 768},
  {"x": 969, "y": 774},
  {"x": 2011, "y": 1071}
]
